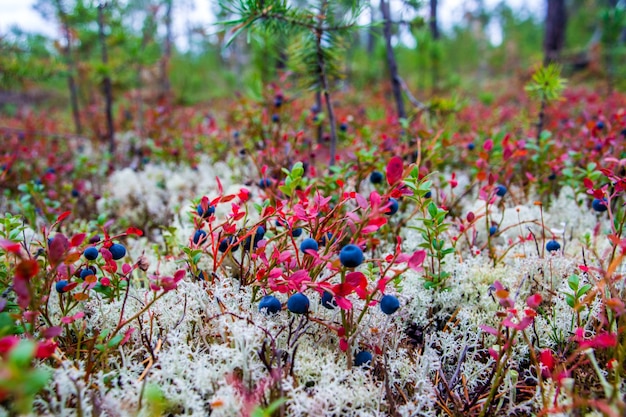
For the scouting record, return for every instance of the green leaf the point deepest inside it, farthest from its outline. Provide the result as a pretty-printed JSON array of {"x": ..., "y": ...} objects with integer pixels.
[
  {"x": 432, "y": 209},
  {"x": 570, "y": 300},
  {"x": 573, "y": 282},
  {"x": 22, "y": 354},
  {"x": 583, "y": 290}
]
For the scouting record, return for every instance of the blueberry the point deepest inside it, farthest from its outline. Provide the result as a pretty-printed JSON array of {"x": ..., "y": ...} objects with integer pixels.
[
  {"x": 429, "y": 194},
  {"x": 552, "y": 176},
  {"x": 309, "y": 243},
  {"x": 600, "y": 125},
  {"x": 260, "y": 231},
  {"x": 493, "y": 230},
  {"x": 60, "y": 286},
  {"x": 91, "y": 253},
  {"x": 298, "y": 303},
  {"x": 553, "y": 246},
  {"x": 393, "y": 207},
  {"x": 501, "y": 190},
  {"x": 328, "y": 237},
  {"x": 296, "y": 232},
  {"x": 471, "y": 146},
  {"x": 94, "y": 239},
  {"x": 225, "y": 243},
  {"x": 389, "y": 304},
  {"x": 328, "y": 301},
  {"x": 351, "y": 256},
  {"x": 85, "y": 272},
  {"x": 265, "y": 183},
  {"x": 205, "y": 214},
  {"x": 117, "y": 251},
  {"x": 363, "y": 358},
  {"x": 199, "y": 236},
  {"x": 343, "y": 127},
  {"x": 599, "y": 205},
  {"x": 278, "y": 101},
  {"x": 376, "y": 177},
  {"x": 270, "y": 304},
  {"x": 275, "y": 118},
  {"x": 75, "y": 193}
]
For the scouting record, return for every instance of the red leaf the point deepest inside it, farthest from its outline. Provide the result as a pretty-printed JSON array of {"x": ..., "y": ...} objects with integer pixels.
[
  {"x": 219, "y": 185},
  {"x": 8, "y": 342},
  {"x": 547, "y": 359},
  {"x": 45, "y": 349},
  {"x": 58, "y": 248},
  {"x": 51, "y": 332},
  {"x": 588, "y": 183},
  {"x": 394, "y": 170},
  {"x": 77, "y": 239},
  {"x": 63, "y": 216},
  {"x": 417, "y": 259},
  {"x": 134, "y": 231},
  {"x": 26, "y": 269},
  {"x": 534, "y": 300},
  {"x": 20, "y": 286},
  {"x": 9, "y": 246}
]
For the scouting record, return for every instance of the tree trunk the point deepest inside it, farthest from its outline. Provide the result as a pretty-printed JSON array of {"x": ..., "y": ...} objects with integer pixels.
[
  {"x": 106, "y": 82},
  {"x": 323, "y": 80},
  {"x": 71, "y": 69},
  {"x": 391, "y": 60},
  {"x": 556, "y": 23},
  {"x": 434, "y": 29},
  {"x": 167, "y": 50},
  {"x": 371, "y": 34},
  {"x": 318, "y": 108}
]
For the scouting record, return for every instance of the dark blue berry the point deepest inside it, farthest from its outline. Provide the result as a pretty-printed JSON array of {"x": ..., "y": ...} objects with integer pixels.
[
  {"x": 429, "y": 194},
  {"x": 493, "y": 230},
  {"x": 117, "y": 251},
  {"x": 275, "y": 118},
  {"x": 393, "y": 207},
  {"x": 75, "y": 193},
  {"x": 471, "y": 146},
  {"x": 199, "y": 236},
  {"x": 328, "y": 301},
  {"x": 363, "y": 358},
  {"x": 553, "y": 246},
  {"x": 265, "y": 183},
  {"x": 298, "y": 303},
  {"x": 327, "y": 238},
  {"x": 501, "y": 190},
  {"x": 600, "y": 125},
  {"x": 205, "y": 214},
  {"x": 85, "y": 272},
  {"x": 309, "y": 243},
  {"x": 260, "y": 231},
  {"x": 60, "y": 286},
  {"x": 94, "y": 239},
  {"x": 343, "y": 127},
  {"x": 376, "y": 177},
  {"x": 225, "y": 243},
  {"x": 91, "y": 253},
  {"x": 351, "y": 256},
  {"x": 296, "y": 232},
  {"x": 270, "y": 304},
  {"x": 389, "y": 304},
  {"x": 599, "y": 205}
]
